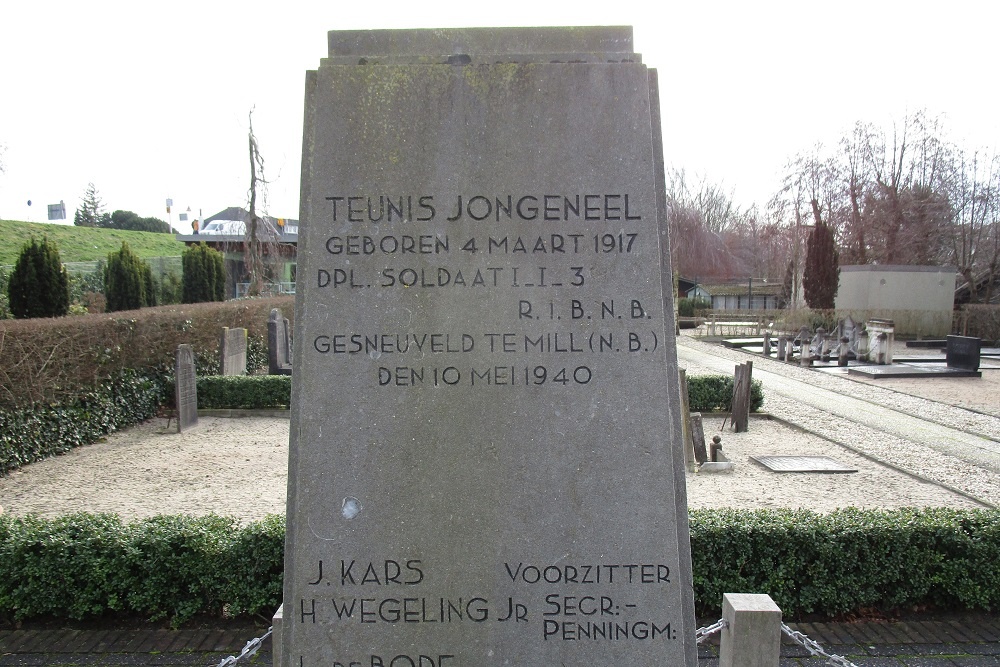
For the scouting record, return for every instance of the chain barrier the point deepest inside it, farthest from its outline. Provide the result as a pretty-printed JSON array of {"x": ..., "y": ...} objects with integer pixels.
[
  {"x": 250, "y": 649},
  {"x": 815, "y": 649},
  {"x": 701, "y": 634}
]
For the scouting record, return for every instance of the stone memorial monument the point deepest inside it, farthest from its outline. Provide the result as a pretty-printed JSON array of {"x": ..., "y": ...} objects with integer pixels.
[
  {"x": 233, "y": 352},
  {"x": 486, "y": 465},
  {"x": 185, "y": 388}
]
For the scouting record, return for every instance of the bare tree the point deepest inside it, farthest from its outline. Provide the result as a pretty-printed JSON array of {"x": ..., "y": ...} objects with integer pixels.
[
  {"x": 975, "y": 208},
  {"x": 252, "y": 248},
  {"x": 704, "y": 228}
]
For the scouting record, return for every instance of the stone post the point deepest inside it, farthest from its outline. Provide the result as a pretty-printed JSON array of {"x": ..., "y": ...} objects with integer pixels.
[
  {"x": 782, "y": 342},
  {"x": 767, "y": 343},
  {"x": 842, "y": 352},
  {"x": 863, "y": 350},
  {"x": 804, "y": 340},
  {"x": 883, "y": 343},
  {"x": 752, "y": 637},
  {"x": 276, "y": 623}
]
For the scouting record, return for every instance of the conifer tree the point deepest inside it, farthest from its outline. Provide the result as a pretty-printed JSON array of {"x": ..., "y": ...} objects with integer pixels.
[
  {"x": 204, "y": 274},
  {"x": 822, "y": 271},
  {"x": 91, "y": 212},
  {"x": 38, "y": 286},
  {"x": 128, "y": 281}
]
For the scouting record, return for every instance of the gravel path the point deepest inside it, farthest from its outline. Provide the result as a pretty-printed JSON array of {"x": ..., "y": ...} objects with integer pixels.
[
  {"x": 238, "y": 466},
  {"x": 893, "y": 421}
]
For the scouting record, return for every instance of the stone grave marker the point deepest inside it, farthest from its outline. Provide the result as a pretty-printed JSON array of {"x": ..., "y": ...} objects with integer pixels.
[
  {"x": 962, "y": 352},
  {"x": 185, "y": 388},
  {"x": 279, "y": 361},
  {"x": 233, "y": 352},
  {"x": 486, "y": 464}
]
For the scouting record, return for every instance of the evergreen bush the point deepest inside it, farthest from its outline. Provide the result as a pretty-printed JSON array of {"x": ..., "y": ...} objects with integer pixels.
[
  {"x": 204, "y": 274},
  {"x": 38, "y": 286},
  {"x": 128, "y": 281},
  {"x": 848, "y": 561},
  {"x": 714, "y": 393}
]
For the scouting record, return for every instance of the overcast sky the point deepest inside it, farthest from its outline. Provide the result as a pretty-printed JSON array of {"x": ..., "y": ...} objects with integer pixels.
[{"x": 151, "y": 100}]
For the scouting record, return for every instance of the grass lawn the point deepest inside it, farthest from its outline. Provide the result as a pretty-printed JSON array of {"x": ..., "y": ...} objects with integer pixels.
[{"x": 84, "y": 244}]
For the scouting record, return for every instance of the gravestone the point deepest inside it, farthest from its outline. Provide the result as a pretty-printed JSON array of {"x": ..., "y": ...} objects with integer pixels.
[
  {"x": 279, "y": 361},
  {"x": 185, "y": 388},
  {"x": 486, "y": 464},
  {"x": 233, "y": 352},
  {"x": 698, "y": 437},
  {"x": 963, "y": 352}
]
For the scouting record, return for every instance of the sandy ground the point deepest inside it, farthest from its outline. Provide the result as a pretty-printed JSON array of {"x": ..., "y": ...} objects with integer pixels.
[
  {"x": 979, "y": 394},
  {"x": 238, "y": 467}
]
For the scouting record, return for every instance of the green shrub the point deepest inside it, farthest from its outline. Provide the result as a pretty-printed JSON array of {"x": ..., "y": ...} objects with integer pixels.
[
  {"x": 848, "y": 560},
  {"x": 128, "y": 281},
  {"x": 687, "y": 307},
  {"x": 82, "y": 566},
  {"x": 714, "y": 393},
  {"x": 92, "y": 348},
  {"x": 38, "y": 286},
  {"x": 244, "y": 392},
  {"x": 204, "y": 274},
  {"x": 35, "y": 433}
]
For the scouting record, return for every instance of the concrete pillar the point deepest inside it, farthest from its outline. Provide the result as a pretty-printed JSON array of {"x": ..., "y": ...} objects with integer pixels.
[
  {"x": 753, "y": 635},
  {"x": 767, "y": 343},
  {"x": 842, "y": 351},
  {"x": 782, "y": 341}
]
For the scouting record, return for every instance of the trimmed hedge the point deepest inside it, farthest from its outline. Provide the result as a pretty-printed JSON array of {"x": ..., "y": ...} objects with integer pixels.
[
  {"x": 850, "y": 559},
  {"x": 707, "y": 393},
  {"x": 83, "y": 565},
  {"x": 28, "y": 435},
  {"x": 87, "y": 565},
  {"x": 244, "y": 392},
  {"x": 710, "y": 393}
]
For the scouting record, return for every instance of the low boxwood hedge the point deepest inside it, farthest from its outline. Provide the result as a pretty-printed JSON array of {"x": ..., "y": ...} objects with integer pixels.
[
  {"x": 83, "y": 566},
  {"x": 711, "y": 393},
  {"x": 707, "y": 393},
  {"x": 244, "y": 392}
]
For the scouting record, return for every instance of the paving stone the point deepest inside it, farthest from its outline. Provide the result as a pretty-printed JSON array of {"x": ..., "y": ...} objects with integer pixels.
[
  {"x": 943, "y": 631},
  {"x": 876, "y": 662},
  {"x": 89, "y": 641},
  {"x": 978, "y": 661},
  {"x": 212, "y": 641},
  {"x": 62, "y": 641},
  {"x": 21, "y": 660},
  {"x": 887, "y": 649},
  {"x": 20, "y": 639},
  {"x": 914, "y": 633},
  {"x": 927, "y": 661}
]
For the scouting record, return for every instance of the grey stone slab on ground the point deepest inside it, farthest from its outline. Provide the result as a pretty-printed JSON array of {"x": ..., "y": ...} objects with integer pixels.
[
  {"x": 185, "y": 388},
  {"x": 485, "y": 397},
  {"x": 279, "y": 361},
  {"x": 911, "y": 371},
  {"x": 793, "y": 463},
  {"x": 233, "y": 351}
]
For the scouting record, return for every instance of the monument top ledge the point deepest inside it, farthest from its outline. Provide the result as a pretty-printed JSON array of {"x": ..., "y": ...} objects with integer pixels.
[{"x": 464, "y": 46}]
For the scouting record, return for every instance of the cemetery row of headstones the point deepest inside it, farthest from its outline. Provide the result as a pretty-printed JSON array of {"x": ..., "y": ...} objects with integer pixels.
[
  {"x": 871, "y": 342},
  {"x": 232, "y": 361}
]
